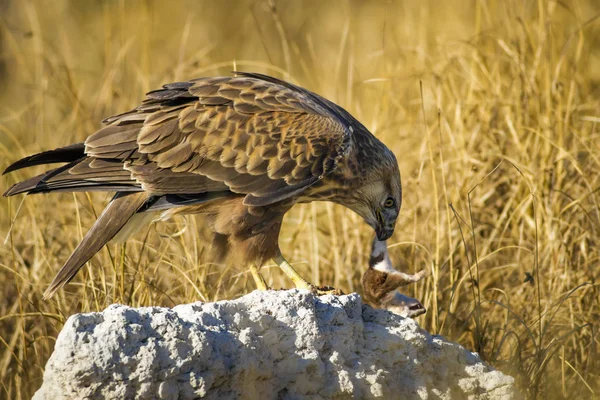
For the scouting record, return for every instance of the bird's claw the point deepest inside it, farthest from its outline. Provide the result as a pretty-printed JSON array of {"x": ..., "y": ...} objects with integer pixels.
[{"x": 325, "y": 290}]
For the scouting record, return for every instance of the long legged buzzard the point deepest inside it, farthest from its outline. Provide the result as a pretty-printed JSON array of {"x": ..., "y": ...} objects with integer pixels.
[{"x": 241, "y": 150}]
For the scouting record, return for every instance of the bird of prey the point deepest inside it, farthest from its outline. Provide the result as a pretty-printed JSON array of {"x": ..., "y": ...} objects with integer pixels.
[{"x": 241, "y": 150}]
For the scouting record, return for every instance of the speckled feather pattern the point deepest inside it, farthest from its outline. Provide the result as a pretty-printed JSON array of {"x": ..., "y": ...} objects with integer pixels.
[
  {"x": 242, "y": 150},
  {"x": 249, "y": 135}
]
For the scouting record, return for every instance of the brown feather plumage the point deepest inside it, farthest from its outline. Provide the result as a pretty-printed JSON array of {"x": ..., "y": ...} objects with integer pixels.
[{"x": 227, "y": 147}]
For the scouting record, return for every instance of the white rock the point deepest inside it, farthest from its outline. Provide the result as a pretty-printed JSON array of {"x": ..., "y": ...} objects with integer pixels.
[{"x": 266, "y": 345}]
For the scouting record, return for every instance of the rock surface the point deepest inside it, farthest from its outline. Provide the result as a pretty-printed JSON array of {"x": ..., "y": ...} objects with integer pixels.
[{"x": 265, "y": 345}]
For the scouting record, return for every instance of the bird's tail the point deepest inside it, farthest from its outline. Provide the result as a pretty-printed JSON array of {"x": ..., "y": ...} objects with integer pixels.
[
  {"x": 61, "y": 155},
  {"x": 120, "y": 210},
  {"x": 79, "y": 173}
]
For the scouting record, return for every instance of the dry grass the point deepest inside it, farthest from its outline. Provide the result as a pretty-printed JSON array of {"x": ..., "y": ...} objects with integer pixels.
[{"x": 499, "y": 151}]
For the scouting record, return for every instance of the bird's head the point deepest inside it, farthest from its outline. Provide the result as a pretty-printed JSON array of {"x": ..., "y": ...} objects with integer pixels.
[{"x": 379, "y": 197}]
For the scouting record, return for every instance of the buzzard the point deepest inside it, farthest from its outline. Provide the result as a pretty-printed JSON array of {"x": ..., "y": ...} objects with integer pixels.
[{"x": 241, "y": 150}]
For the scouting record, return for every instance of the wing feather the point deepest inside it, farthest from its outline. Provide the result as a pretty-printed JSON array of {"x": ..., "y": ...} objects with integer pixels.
[
  {"x": 250, "y": 134},
  {"x": 259, "y": 137}
]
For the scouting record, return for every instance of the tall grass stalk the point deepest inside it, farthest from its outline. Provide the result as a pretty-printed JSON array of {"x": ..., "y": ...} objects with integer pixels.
[{"x": 492, "y": 108}]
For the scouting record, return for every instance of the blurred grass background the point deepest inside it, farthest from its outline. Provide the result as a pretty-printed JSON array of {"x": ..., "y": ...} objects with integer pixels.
[{"x": 492, "y": 108}]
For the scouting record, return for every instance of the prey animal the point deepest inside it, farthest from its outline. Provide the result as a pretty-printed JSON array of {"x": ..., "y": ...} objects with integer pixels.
[
  {"x": 381, "y": 281},
  {"x": 241, "y": 150}
]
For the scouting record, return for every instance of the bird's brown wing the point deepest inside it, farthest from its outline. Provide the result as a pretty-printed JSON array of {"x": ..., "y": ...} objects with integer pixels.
[{"x": 253, "y": 135}]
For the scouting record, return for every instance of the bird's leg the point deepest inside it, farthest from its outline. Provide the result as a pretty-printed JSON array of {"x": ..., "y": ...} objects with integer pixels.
[
  {"x": 285, "y": 266},
  {"x": 298, "y": 280},
  {"x": 261, "y": 284}
]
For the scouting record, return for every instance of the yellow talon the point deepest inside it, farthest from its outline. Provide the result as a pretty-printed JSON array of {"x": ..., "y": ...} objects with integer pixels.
[
  {"x": 261, "y": 284},
  {"x": 299, "y": 281}
]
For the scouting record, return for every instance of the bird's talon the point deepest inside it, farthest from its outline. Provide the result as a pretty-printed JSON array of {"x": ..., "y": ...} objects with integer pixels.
[{"x": 325, "y": 290}]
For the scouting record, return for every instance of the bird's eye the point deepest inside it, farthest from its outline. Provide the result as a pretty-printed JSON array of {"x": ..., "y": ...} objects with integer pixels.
[{"x": 389, "y": 203}]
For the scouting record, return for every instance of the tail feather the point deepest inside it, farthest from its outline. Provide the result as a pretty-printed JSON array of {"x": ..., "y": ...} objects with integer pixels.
[
  {"x": 25, "y": 186},
  {"x": 84, "y": 174},
  {"x": 113, "y": 218},
  {"x": 32, "y": 184},
  {"x": 60, "y": 155}
]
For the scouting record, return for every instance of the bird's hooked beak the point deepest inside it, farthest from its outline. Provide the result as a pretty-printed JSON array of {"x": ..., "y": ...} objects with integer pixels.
[{"x": 384, "y": 229}]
